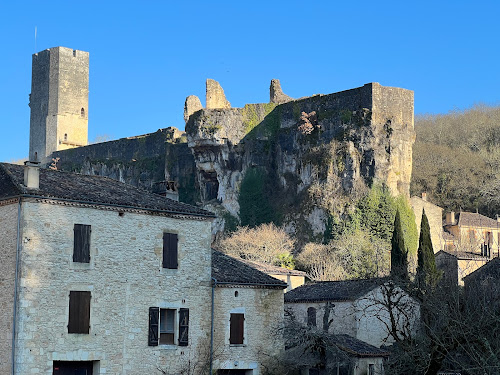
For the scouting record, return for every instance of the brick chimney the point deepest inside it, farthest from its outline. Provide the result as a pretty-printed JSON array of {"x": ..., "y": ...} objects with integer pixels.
[{"x": 32, "y": 174}]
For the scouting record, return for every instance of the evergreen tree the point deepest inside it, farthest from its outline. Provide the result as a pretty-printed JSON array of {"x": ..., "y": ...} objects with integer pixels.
[
  {"x": 427, "y": 273},
  {"x": 399, "y": 252}
]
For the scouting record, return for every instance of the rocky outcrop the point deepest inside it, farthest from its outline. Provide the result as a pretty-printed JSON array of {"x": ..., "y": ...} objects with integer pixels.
[
  {"x": 215, "y": 96},
  {"x": 191, "y": 105},
  {"x": 276, "y": 95},
  {"x": 320, "y": 151}
]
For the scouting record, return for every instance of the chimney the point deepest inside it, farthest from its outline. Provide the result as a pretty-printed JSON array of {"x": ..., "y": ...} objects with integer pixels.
[
  {"x": 32, "y": 174},
  {"x": 424, "y": 196},
  {"x": 166, "y": 189},
  {"x": 450, "y": 218}
]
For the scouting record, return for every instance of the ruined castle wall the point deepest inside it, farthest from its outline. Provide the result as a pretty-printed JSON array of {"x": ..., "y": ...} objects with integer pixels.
[
  {"x": 8, "y": 230},
  {"x": 140, "y": 161}
]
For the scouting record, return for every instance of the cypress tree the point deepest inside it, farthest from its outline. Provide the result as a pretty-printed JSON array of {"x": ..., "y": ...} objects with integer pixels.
[
  {"x": 399, "y": 252},
  {"x": 427, "y": 273}
]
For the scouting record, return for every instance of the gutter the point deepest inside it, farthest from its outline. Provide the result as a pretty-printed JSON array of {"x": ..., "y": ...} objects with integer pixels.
[
  {"x": 14, "y": 315},
  {"x": 214, "y": 285},
  {"x": 282, "y": 286},
  {"x": 210, "y": 215}
]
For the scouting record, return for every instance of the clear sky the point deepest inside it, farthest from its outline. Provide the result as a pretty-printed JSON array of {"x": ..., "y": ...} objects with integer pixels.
[{"x": 147, "y": 56}]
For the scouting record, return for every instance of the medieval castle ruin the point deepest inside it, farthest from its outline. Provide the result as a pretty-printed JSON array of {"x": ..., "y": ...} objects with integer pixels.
[{"x": 335, "y": 143}]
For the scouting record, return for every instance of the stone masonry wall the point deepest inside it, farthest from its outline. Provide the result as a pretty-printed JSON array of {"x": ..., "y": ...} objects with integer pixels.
[
  {"x": 8, "y": 238},
  {"x": 125, "y": 277},
  {"x": 263, "y": 309},
  {"x": 434, "y": 216}
]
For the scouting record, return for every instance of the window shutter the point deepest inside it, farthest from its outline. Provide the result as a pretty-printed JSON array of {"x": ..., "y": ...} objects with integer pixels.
[
  {"x": 236, "y": 329},
  {"x": 183, "y": 327},
  {"x": 79, "y": 312},
  {"x": 170, "y": 250},
  {"x": 154, "y": 315},
  {"x": 81, "y": 248}
]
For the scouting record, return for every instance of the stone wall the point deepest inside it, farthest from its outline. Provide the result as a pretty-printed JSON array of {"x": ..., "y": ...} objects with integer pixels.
[
  {"x": 8, "y": 230},
  {"x": 434, "y": 215},
  {"x": 140, "y": 161},
  {"x": 263, "y": 309},
  {"x": 125, "y": 278},
  {"x": 339, "y": 141}
]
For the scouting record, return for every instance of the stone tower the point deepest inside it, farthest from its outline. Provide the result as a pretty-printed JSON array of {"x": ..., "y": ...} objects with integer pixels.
[{"x": 58, "y": 101}]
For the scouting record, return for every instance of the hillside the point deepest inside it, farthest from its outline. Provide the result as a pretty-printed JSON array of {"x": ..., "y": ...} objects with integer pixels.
[{"x": 456, "y": 159}]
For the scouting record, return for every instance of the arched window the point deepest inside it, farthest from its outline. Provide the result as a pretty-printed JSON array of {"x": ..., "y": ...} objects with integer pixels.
[
  {"x": 82, "y": 112},
  {"x": 311, "y": 317}
]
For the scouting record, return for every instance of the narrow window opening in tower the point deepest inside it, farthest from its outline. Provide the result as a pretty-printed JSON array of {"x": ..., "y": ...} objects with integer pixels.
[
  {"x": 65, "y": 137},
  {"x": 82, "y": 112},
  {"x": 74, "y": 53}
]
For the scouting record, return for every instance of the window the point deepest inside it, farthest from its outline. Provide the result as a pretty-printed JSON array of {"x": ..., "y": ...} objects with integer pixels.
[
  {"x": 236, "y": 329},
  {"x": 371, "y": 369},
  {"x": 170, "y": 250},
  {"x": 167, "y": 324},
  {"x": 162, "y": 326},
  {"x": 79, "y": 312},
  {"x": 311, "y": 317},
  {"x": 65, "y": 137},
  {"x": 81, "y": 244},
  {"x": 82, "y": 112}
]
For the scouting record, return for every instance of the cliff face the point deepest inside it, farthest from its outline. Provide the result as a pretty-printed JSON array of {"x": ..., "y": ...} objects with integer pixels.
[
  {"x": 301, "y": 163},
  {"x": 314, "y": 154}
]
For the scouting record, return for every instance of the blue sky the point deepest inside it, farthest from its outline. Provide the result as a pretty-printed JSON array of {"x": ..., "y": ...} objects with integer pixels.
[{"x": 147, "y": 56}]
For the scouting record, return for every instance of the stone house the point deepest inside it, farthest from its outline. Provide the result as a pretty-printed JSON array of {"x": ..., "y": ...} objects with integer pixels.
[
  {"x": 455, "y": 265},
  {"x": 482, "y": 287},
  {"x": 358, "y": 308},
  {"x": 473, "y": 233},
  {"x": 248, "y": 316},
  {"x": 434, "y": 216},
  {"x": 99, "y": 277}
]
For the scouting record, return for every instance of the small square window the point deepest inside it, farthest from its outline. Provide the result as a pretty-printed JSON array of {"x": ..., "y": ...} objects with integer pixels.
[{"x": 167, "y": 326}]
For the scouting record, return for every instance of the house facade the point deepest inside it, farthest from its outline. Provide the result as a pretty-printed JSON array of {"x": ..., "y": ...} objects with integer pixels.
[
  {"x": 358, "y": 308},
  {"x": 99, "y": 277},
  {"x": 248, "y": 317}
]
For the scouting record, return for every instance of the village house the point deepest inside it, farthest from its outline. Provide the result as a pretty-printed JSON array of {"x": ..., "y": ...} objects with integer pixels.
[
  {"x": 482, "y": 287},
  {"x": 360, "y": 309},
  {"x": 99, "y": 277},
  {"x": 248, "y": 317},
  {"x": 470, "y": 241}
]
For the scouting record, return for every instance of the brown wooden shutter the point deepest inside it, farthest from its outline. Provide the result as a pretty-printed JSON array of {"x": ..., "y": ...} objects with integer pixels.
[
  {"x": 236, "y": 328},
  {"x": 183, "y": 327},
  {"x": 170, "y": 250},
  {"x": 79, "y": 312},
  {"x": 154, "y": 317},
  {"x": 81, "y": 247}
]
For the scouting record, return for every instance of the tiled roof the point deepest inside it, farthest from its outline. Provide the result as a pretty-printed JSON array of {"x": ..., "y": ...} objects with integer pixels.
[
  {"x": 357, "y": 347},
  {"x": 472, "y": 219},
  {"x": 490, "y": 268},
  {"x": 231, "y": 271},
  {"x": 464, "y": 255},
  {"x": 273, "y": 270},
  {"x": 347, "y": 290},
  {"x": 89, "y": 189}
]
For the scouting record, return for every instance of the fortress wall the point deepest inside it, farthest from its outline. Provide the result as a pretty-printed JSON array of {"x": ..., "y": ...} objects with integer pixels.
[{"x": 140, "y": 161}]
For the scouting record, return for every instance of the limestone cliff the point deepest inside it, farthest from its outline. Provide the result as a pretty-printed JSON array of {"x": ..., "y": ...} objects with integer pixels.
[{"x": 318, "y": 152}]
